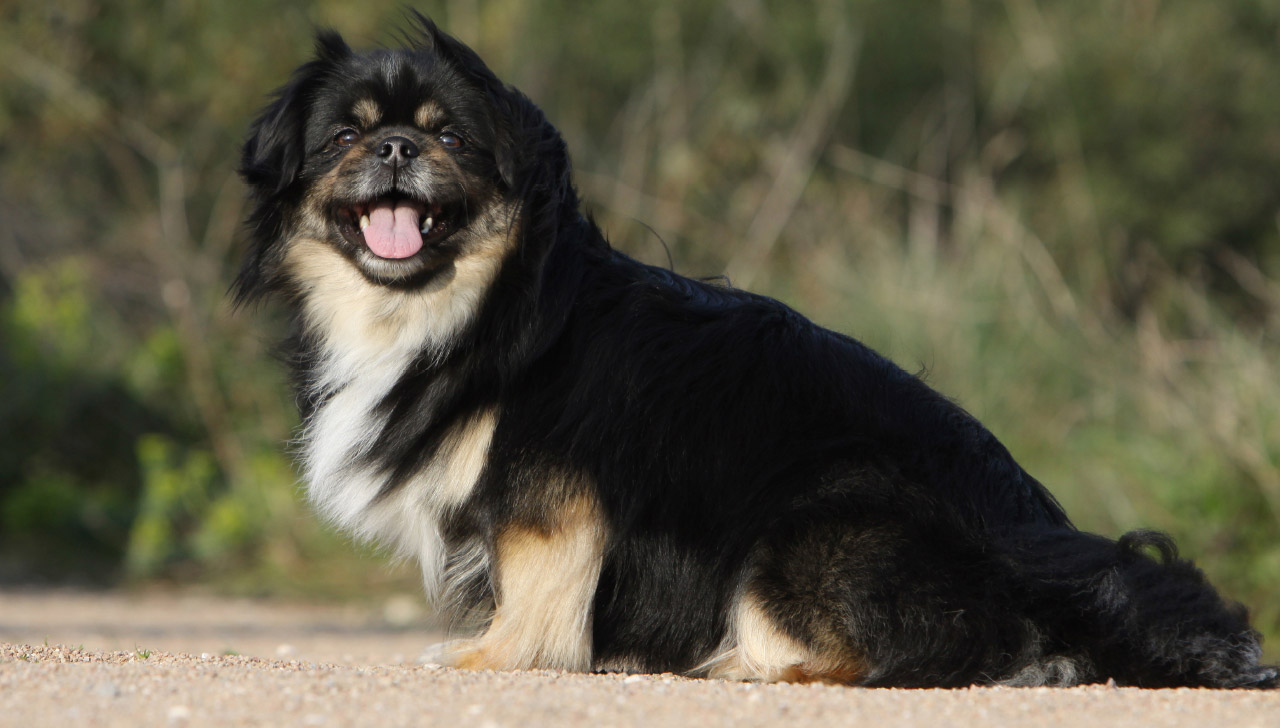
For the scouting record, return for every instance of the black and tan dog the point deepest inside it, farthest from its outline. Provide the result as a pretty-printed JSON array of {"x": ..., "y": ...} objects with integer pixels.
[{"x": 617, "y": 468}]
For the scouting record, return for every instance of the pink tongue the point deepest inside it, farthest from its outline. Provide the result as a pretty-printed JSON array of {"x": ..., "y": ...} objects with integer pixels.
[{"x": 393, "y": 232}]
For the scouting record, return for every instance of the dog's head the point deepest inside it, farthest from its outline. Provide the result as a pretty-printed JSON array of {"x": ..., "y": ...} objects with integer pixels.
[{"x": 401, "y": 162}]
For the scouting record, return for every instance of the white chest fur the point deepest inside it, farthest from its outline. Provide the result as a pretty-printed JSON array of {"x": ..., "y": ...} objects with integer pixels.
[{"x": 369, "y": 336}]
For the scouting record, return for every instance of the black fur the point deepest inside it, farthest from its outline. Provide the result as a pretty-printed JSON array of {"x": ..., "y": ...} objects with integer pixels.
[{"x": 731, "y": 444}]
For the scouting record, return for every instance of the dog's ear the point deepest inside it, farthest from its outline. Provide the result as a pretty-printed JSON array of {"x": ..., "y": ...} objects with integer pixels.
[
  {"x": 429, "y": 37},
  {"x": 273, "y": 157},
  {"x": 330, "y": 47},
  {"x": 276, "y": 148},
  {"x": 507, "y": 133}
]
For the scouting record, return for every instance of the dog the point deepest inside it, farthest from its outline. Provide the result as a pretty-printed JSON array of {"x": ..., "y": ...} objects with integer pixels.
[{"x": 604, "y": 466}]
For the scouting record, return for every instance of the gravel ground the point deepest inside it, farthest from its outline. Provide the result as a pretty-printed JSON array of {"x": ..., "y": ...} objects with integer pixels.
[{"x": 138, "y": 660}]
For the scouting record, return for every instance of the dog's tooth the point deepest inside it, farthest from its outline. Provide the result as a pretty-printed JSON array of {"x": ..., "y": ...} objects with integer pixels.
[
  {"x": 427, "y": 224},
  {"x": 364, "y": 222}
]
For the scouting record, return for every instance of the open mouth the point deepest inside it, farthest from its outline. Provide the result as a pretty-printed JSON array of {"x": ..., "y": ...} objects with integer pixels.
[{"x": 395, "y": 228}]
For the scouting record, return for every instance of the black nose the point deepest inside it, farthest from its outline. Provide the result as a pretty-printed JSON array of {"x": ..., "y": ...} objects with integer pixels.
[{"x": 397, "y": 150}]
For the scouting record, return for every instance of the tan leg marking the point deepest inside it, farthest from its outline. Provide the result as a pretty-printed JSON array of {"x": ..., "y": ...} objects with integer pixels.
[
  {"x": 756, "y": 648},
  {"x": 546, "y": 583}
]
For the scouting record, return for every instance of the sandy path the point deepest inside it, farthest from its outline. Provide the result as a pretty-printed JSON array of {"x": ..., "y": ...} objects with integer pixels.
[{"x": 160, "y": 660}]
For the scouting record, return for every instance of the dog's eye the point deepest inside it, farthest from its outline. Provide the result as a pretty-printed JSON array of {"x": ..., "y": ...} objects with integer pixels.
[
  {"x": 346, "y": 137},
  {"x": 450, "y": 141}
]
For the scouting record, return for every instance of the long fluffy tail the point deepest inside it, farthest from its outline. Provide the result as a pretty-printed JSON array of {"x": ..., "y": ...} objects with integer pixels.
[{"x": 1107, "y": 609}]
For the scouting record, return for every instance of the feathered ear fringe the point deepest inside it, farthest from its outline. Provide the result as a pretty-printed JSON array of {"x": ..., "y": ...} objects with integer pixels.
[
  {"x": 425, "y": 35},
  {"x": 273, "y": 157},
  {"x": 531, "y": 157},
  {"x": 330, "y": 46},
  {"x": 274, "y": 153}
]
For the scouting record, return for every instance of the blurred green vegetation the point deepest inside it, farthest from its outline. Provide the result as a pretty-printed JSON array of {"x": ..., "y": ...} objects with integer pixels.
[{"x": 1067, "y": 213}]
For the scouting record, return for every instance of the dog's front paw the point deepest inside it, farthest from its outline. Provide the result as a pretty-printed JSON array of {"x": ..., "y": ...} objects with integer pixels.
[
  {"x": 467, "y": 654},
  {"x": 444, "y": 654},
  {"x": 477, "y": 655}
]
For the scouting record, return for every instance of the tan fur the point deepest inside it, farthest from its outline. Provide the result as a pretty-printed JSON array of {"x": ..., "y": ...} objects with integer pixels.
[
  {"x": 367, "y": 112},
  {"x": 428, "y": 115},
  {"x": 545, "y": 585},
  {"x": 408, "y": 518},
  {"x": 756, "y": 648},
  {"x": 368, "y": 335},
  {"x": 362, "y": 320},
  {"x": 448, "y": 478}
]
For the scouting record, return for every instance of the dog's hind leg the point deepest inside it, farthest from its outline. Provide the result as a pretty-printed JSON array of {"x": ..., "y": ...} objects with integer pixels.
[
  {"x": 871, "y": 593},
  {"x": 915, "y": 602},
  {"x": 545, "y": 580},
  {"x": 757, "y": 647}
]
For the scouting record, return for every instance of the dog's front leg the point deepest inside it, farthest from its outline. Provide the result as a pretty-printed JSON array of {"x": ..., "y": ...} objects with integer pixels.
[{"x": 545, "y": 584}]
